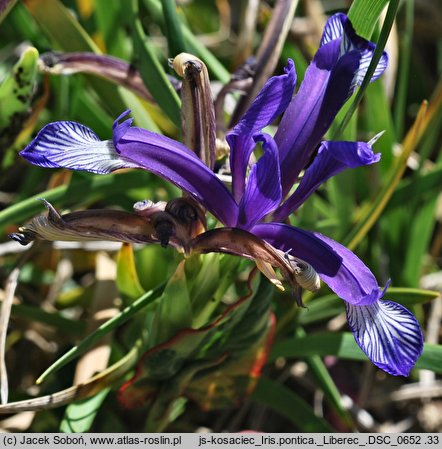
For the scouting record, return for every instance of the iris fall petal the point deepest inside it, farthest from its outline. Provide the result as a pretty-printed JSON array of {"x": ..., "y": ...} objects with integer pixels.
[{"x": 388, "y": 333}]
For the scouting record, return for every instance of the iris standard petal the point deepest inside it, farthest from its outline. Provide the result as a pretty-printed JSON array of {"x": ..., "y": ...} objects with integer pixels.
[
  {"x": 339, "y": 26},
  {"x": 263, "y": 190},
  {"x": 352, "y": 42},
  {"x": 74, "y": 146},
  {"x": 332, "y": 158},
  {"x": 271, "y": 102},
  {"x": 388, "y": 333},
  {"x": 174, "y": 162},
  {"x": 336, "y": 265},
  {"x": 328, "y": 82}
]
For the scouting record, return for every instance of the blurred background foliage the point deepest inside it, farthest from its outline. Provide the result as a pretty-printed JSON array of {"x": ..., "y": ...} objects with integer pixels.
[{"x": 207, "y": 324}]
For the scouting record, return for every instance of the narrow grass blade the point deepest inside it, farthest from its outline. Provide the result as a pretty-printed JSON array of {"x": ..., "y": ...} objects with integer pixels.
[
  {"x": 364, "y": 15},
  {"x": 374, "y": 210},
  {"x": 327, "y": 384},
  {"x": 288, "y": 404},
  {"x": 174, "y": 33},
  {"x": 79, "y": 416},
  {"x": 152, "y": 72},
  {"x": 105, "y": 328},
  {"x": 343, "y": 345},
  {"x": 192, "y": 43},
  {"x": 405, "y": 46}
]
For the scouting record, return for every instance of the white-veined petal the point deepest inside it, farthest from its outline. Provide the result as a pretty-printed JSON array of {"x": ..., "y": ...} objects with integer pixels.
[
  {"x": 388, "y": 333},
  {"x": 74, "y": 146}
]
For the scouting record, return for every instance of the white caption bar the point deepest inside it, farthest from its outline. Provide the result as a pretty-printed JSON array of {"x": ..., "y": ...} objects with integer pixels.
[{"x": 247, "y": 440}]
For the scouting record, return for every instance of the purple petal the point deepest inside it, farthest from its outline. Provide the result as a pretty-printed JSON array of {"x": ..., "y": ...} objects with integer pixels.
[
  {"x": 339, "y": 26},
  {"x": 333, "y": 29},
  {"x": 332, "y": 158},
  {"x": 120, "y": 129},
  {"x": 352, "y": 42},
  {"x": 337, "y": 68},
  {"x": 269, "y": 104},
  {"x": 328, "y": 82},
  {"x": 174, "y": 162},
  {"x": 74, "y": 146},
  {"x": 336, "y": 265},
  {"x": 263, "y": 190},
  {"x": 388, "y": 333}
]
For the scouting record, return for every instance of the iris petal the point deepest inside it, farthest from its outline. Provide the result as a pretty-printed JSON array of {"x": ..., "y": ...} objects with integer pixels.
[
  {"x": 74, "y": 146},
  {"x": 333, "y": 29},
  {"x": 336, "y": 265},
  {"x": 174, "y": 162},
  {"x": 388, "y": 333},
  {"x": 352, "y": 42},
  {"x": 338, "y": 67},
  {"x": 328, "y": 82},
  {"x": 332, "y": 158},
  {"x": 339, "y": 26},
  {"x": 269, "y": 104},
  {"x": 263, "y": 190}
]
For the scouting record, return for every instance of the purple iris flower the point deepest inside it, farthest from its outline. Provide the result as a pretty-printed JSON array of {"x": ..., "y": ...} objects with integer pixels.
[{"x": 261, "y": 197}]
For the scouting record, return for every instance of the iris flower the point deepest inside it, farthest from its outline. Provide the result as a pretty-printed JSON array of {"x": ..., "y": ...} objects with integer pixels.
[{"x": 261, "y": 197}]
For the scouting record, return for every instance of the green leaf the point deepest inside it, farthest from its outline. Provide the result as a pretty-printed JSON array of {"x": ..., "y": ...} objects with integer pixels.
[
  {"x": 192, "y": 43},
  {"x": 174, "y": 312},
  {"x": 365, "y": 14},
  {"x": 152, "y": 72},
  {"x": 322, "y": 308},
  {"x": 104, "y": 329},
  {"x": 420, "y": 188},
  {"x": 16, "y": 90},
  {"x": 61, "y": 25},
  {"x": 127, "y": 280},
  {"x": 174, "y": 33},
  {"x": 377, "y": 118},
  {"x": 53, "y": 319},
  {"x": 79, "y": 416},
  {"x": 68, "y": 35},
  {"x": 326, "y": 383},
  {"x": 409, "y": 297},
  {"x": 373, "y": 210},
  {"x": 288, "y": 404},
  {"x": 421, "y": 229},
  {"x": 343, "y": 345},
  {"x": 403, "y": 74},
  {"x": 203, "y": 278}
]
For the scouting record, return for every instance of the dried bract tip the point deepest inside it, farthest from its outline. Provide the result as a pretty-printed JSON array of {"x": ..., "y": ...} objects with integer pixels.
[
  {"x": 98, "y": 224},
  {"x": 374, "y": 139},
  {"x": 198, "y": 112}
]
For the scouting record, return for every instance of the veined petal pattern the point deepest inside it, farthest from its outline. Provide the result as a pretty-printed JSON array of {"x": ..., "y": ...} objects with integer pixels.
[
  {"x": 388, "y": 333},
  {"x": 74, "y": 146}
]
